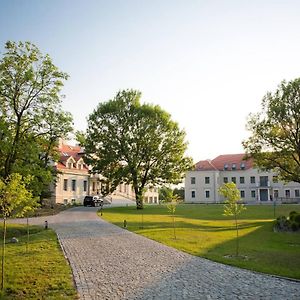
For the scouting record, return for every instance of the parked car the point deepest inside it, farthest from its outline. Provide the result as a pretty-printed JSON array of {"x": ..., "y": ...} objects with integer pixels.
[{"x": 92, "y": 201}]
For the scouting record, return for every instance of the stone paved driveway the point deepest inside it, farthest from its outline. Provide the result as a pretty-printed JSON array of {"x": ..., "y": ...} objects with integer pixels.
[{"x": 111, "y": 263}]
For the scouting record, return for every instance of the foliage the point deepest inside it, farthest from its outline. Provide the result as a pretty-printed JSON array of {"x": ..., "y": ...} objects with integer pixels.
[
  {"x": 15, "y": 198},
  {"x": 288, "y": 224},
  {"x": 165, "y": 193},
  {"x": 135, "y": 143},
  {"x": 31, "y": 118},
  {"x": 203, "y": 230},
  {"x": 275, "y": 132},
  {"x": 231, "y": 206},
  {"x": 179, "y": 192},
  {"x": 41, "y": 273}
]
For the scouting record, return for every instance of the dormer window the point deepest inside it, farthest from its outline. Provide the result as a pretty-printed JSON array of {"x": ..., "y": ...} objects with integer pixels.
[
  {"x": 226, "y": 167},
  {"x": 243, "y": 166},
  {"x": 70, "y": 165},
  {"x": 233, "y": 167}
]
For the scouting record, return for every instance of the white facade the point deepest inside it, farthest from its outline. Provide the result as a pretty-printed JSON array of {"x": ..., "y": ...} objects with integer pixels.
[{"x": 201, "y": 186}]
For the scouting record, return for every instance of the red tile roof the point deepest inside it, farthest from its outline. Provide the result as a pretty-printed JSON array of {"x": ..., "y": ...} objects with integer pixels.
[
  {"x": 228, "y": 160},
  {"x": 68, "y": 151}
]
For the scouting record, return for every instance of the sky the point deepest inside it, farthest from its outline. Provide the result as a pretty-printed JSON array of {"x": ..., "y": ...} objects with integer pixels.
[{"x": 208, "y": 63}]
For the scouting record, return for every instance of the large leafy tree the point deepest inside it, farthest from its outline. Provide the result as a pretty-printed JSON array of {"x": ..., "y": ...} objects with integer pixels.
[
  {"x": 31, "y": 118},
  {"x": 275, "y": 132},
  {"x": 135, "y": 143}
]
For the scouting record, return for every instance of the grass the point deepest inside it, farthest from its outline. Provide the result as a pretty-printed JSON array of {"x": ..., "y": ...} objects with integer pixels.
[
  {"x": 40, "y": 273},
  {"x": 202, "y": 230}
]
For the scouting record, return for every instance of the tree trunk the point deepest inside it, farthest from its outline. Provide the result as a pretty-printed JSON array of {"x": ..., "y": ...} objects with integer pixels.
[
  {"x": 3, "y": 253},
  {"x": 139, "y": 202},
  {"x": 237, "y": 236},
  {"x": 174, "y": 226},
  {"x": 27, "y": 243},
  {"x": 138, "y": 197}
]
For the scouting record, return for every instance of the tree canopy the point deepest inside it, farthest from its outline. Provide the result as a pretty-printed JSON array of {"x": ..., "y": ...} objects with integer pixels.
[
  {"x": 275, "y": 132},
  {"x": 31, "y": 117},
  {"x": 135, "y": 143}
]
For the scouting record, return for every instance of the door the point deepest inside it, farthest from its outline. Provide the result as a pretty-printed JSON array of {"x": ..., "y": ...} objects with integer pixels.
[{"x": 263, "y": 194}]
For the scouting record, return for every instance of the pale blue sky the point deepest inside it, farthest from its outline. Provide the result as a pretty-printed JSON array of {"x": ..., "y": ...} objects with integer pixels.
[{"x": 208, "y": 63}]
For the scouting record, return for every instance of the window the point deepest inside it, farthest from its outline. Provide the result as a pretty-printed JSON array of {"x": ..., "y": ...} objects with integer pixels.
[
  {"x": 225, "y": 179},
  {"x": 155, "y": 199},
  {"x": 70, "y": 165},
  {"x": 84, "y": 185},
  {"x": 226, "y": 167},
  {"x": 276, "y": 194},
  {"x": 207, "y": 180},
  {"x": 65, "y": 184},
  {"x": 206, "y": 194},
  {"x": 193, "y": 194},
  {"x": 287, "y": 193},
  {"x": 253, "y": 194},
  {"x": 263, "y": 180},
  {"x": 275, "y": 179},
  {"x": 193, "y": 180},
  {"x": 73, "y": 201},
  {"x": 252, "y": 179},
  {"x": 242, "y": 166},
  {"x": 297, "y": 193},
  {"x": 94, "y": 186},
  {"x": 233, "y": 167},
  {"x": 242, "y": 194},
  {"x": 65, "y": 201},
  {"x": 73, "y": 185},
  {"x": 242, "y": 179},
  {"x": 233, "y": 179}
]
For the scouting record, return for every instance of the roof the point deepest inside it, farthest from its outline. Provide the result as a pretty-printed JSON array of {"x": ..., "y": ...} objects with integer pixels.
[
  {"x": 225, "y": 162},
  {"x": 67, "y": 151}
]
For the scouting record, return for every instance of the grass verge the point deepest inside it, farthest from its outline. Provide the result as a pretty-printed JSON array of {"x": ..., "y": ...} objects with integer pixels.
[
  {"x": 202, "y": 230},
  {"x": 40, "y": 273}
]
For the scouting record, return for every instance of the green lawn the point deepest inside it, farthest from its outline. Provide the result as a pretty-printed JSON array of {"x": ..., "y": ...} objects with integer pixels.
[
  {"x": 202, "y": 230},
  {"x": 40, "y": 273}
]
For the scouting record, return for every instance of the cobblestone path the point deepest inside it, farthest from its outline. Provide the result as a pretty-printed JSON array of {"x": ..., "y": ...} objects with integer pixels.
[{"x": 111, "y": 263}]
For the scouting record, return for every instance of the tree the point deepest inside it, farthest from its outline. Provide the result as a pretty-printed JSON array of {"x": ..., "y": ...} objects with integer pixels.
[
  {"x": 31, "y": 118},
  {"x": 231, "y": 206},
  {"x": 135, "y": 143},
  {"x": 15, "y": 200},
  {"x": 165, "y": 193},
  {"x": 172, "y": 202},
  {"x": 275, "y": 132}
]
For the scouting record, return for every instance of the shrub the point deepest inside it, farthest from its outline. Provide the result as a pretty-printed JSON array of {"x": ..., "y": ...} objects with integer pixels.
[
  {"x": 294, "y": 226},
  {"x": 292, "y": 215},
  {"x": 297, "y": 219}
]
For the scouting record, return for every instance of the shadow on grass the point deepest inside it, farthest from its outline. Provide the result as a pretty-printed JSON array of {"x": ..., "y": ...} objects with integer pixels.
[{"x": 261, "y": 250}]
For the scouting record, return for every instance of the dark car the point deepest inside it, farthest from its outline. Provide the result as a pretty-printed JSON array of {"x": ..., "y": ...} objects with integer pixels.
[{"x": 92, "y": 201}]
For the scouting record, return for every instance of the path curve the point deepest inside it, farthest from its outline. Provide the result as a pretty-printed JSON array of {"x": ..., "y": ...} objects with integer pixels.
[{"x": 111, "y": 263}]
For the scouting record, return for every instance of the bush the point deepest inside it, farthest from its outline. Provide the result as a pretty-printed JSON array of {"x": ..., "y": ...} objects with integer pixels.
[
  {"x": 290, "y": 224},
  {"x": 294, "y": 226},
  {"x": 292, "y": 215},
  {"x": 297, "y": 219}
]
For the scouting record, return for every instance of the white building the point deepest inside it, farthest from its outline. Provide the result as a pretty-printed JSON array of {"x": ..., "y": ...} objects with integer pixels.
[
  {"x": 74, "y": 181},
  {"x": 202, "y": 184}
]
